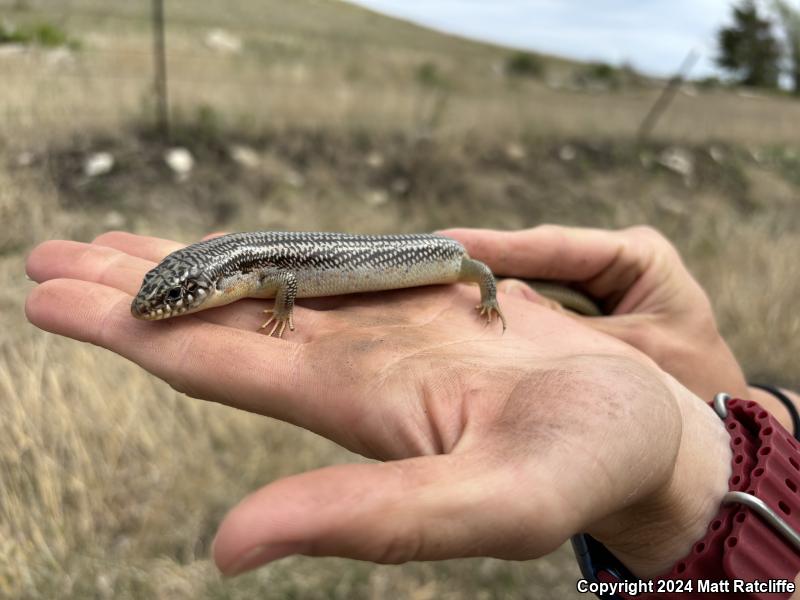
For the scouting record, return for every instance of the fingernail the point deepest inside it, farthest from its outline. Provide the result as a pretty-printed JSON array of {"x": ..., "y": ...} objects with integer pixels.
[{"x": 258, "y": 556}]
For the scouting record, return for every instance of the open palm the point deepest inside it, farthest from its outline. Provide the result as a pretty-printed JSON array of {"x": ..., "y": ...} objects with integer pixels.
[{"x": 496, "y": 444}]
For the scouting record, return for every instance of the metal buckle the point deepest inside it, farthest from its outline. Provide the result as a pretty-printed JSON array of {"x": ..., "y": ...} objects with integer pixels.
[{"x": 753, "y": 502}]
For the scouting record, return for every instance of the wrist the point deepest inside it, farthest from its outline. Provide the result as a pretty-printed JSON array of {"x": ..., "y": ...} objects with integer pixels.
[
  {"x": 650, "y": 536},
  {"x": 716, "y": 369}
]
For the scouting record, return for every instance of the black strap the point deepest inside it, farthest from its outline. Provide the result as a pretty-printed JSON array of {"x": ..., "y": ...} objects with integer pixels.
[
  {"x": 786, "y": 401},
  {"x": 593, "y": 558}
]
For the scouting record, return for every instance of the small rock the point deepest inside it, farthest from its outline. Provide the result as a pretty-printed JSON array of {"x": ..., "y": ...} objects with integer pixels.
[
  {"x": 428, "y": 591},
  {"x": 375, "y": 160},
  {"x": 678, "y": 161},
  {"x": 749, "y": 95},
  {"x": 12, "y": 50},
  {"x": 59, "y": 57},
  {"x": 515, "y": 151},
  {"x": 180, "y": 161},
  {"x": 757, "y": 155},
  {"x": 105, "y": 586},
  {"x": 223, "y": 41},
  {"x": 295, "y": 179},
  {"x": 98, "y": 164},
  {"x": 671, "y": 205},
  {"x": 716, "y": 154},
  {"x": 245, "y": 156},
  {"x": 488, "y": 568},
  {"x": 114, "y": 220},
  {"x": 25, "y": 159},
  {"x": 377, "y": 198},
  {"x": 567, "y": 153}
]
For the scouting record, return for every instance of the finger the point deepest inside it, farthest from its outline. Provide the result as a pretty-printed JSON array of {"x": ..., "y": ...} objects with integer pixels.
[
  {"x": 149, "y": 248},
  {"x": 604, "y": 263},
  {"x": 107, "y": 266},
  {"x": 424, "y": 508},
  {"x": 215, "y": 234},
  {"x": 520, "y": 289},
  {"x": 58, "y": 259},
  {"x": 155, "y": 249},
  {"x": 547, "y": 251},
  {"x": 222, "y": 364},
  {"x": 636, "y": 330},
  {"x": 632, "y": 329}
]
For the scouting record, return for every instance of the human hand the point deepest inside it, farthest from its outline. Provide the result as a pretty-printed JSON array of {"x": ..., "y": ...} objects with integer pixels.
[
  {"x": 498, "y": 445},
  {"x": 653, "y": 302}
]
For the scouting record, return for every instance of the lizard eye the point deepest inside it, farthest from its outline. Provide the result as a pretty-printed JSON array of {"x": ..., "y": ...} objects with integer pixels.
[{"x": 174, "y": 293}]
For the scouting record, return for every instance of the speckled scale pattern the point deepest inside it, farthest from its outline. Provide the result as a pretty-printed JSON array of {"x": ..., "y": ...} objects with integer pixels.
[
  {"x": 289, "y": 265},
  {"x": 325, "y": 263}
]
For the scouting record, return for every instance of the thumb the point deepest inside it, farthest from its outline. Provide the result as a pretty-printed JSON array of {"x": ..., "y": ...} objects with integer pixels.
[
  {"x": 520, "y": 289},
  {"x": 635, "y": 329},
  {"x": 424, "y": 508},
  {"x": 638, "y": 330}
]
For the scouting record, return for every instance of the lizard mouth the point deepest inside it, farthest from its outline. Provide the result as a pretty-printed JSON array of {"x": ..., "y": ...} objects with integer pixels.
[{"x": 147, "y": 313}]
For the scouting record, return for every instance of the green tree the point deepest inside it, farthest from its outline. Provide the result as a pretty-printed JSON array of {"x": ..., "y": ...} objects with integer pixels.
[
  {"x": 748, "y": 49},
  {"x": 790, "y": 21}
]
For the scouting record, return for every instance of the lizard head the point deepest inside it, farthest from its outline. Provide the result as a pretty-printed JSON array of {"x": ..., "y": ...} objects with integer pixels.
[{"x": 175, "y": 287}]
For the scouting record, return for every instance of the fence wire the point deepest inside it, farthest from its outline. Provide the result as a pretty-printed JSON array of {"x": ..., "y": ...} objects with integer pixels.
[{"x": 41, "y": 68}]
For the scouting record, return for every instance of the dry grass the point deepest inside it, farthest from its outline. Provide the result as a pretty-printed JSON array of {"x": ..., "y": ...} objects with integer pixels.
[
  {"x": 112, "y": 482},
  {"x": 304, "y": 64}
]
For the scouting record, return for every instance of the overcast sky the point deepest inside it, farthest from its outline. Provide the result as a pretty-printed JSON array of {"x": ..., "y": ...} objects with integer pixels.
[{"x": 653, "y": 35}]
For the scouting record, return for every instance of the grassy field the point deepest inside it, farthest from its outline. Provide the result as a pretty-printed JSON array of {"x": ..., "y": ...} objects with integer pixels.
[{"x": 112, "y": 483}]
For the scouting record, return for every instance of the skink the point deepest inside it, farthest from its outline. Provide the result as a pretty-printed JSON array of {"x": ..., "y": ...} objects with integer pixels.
[{"x": 288, "y": 265}]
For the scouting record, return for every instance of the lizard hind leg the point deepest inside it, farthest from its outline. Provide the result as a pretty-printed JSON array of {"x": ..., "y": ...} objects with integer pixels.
[
  {"x": 477, "y": 272},
  {"x": 278, "y": 321},
  {"x": 281, "y": 313}
]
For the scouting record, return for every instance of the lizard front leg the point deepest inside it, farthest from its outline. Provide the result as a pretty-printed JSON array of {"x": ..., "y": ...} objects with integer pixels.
[{"x": 286, "y": 290}]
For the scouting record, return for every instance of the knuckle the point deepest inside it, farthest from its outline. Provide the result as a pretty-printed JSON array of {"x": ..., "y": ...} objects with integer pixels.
[
  {"x": 647, "y": 232},
  {"x": 214, "y": 234},
  {"x": 109, "y": 237},
  {"x": 651, "y": 237},
  {"x": 546, "y": 228},
  {"x": 547, "y": 231}
]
